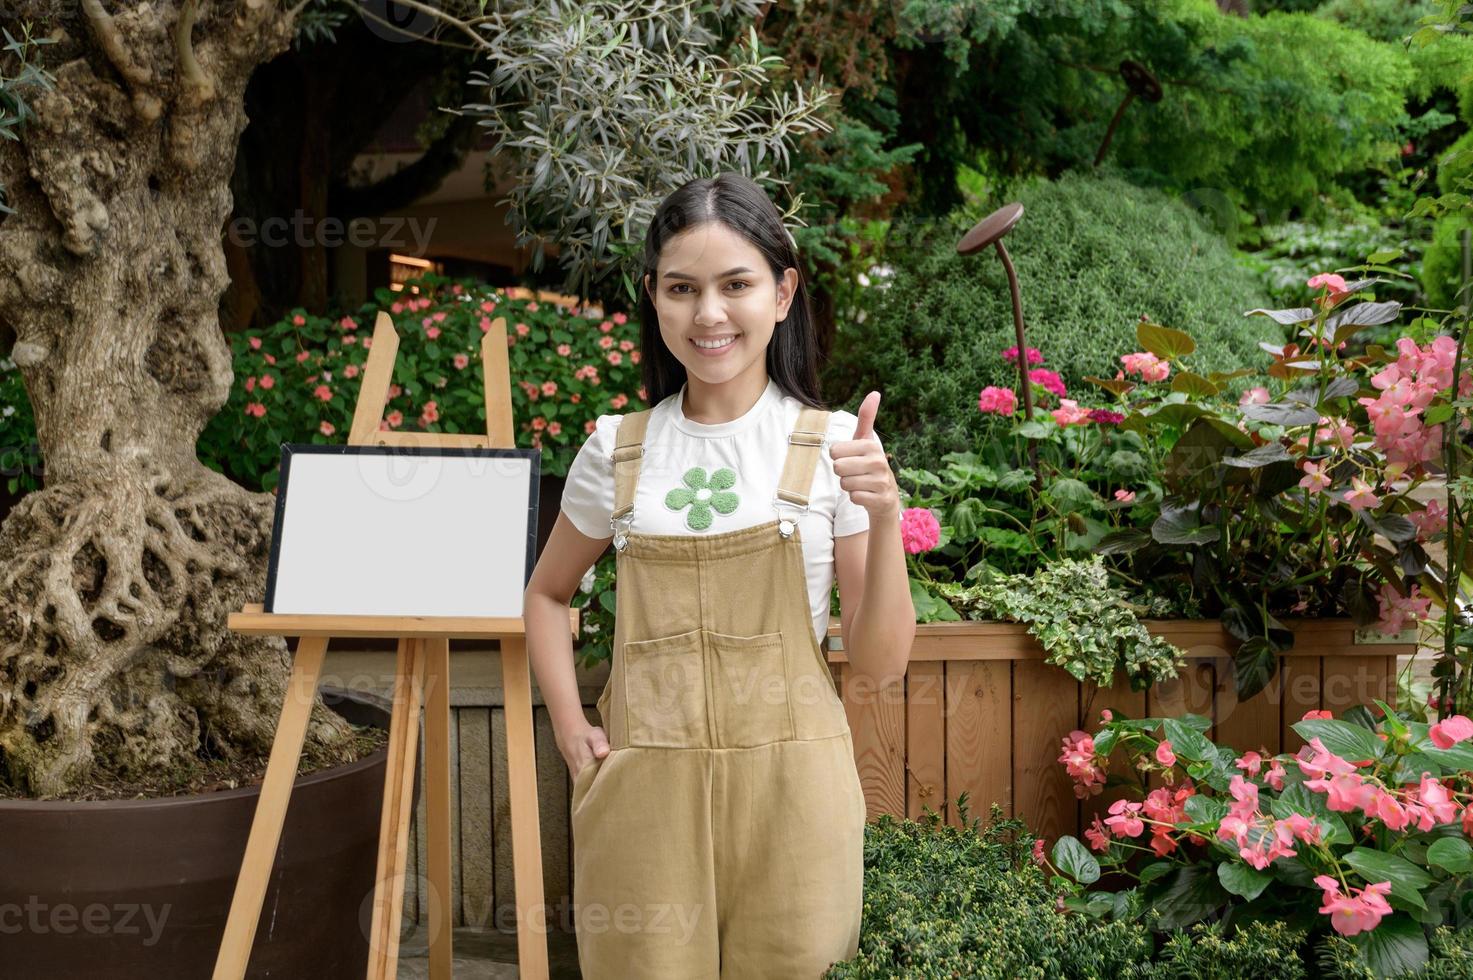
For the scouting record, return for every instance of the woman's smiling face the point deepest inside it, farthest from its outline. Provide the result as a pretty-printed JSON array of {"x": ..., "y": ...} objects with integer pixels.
[{"x": 714, "y": 285}]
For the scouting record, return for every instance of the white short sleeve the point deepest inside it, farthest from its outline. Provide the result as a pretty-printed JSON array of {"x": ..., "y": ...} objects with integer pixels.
[
  {"x": 588, "y": 494},
  {"x": 849, "y": 517}
]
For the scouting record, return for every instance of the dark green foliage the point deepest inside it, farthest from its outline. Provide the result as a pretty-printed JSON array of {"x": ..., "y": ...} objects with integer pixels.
[
  {"x": 952, "y": 902},
  {"x": 1092, "y": 254},
  {"x": 1258, "y": 951}
]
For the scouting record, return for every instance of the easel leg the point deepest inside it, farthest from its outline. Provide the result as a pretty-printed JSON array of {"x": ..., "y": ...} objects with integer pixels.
[
  {"x": 437, "y": 804},
  {"x": 393, "y": 842},
  {"x": 276, "y": 789},
  {"x": 526, "y": 840}
]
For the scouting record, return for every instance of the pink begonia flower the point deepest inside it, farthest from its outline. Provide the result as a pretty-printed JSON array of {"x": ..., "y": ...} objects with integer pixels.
[
  {"x": 1450, "y": 731},
  {"x": 1069, "y": 413},
  {"x": 1164, "y": 755},
  {"x": 1255, "y": 396},
  {"x": 256, "y": 409},
  {"x": 1098, "y": 835},
  {"x": 1347, "y": 793},
  {"x": 620, "y": 319},
  {"x": 1435, "y": 800},
  {"x": 1125, "y": 496},
  {"x": 1354, "y": 913},
  {"x": 1329, "y": 280},
  {"x": 460, "y": 361},
  {"x": 919, "y": 530},
  {"x": 1245, "y": 796},
  {"x": 268, "y": 382},
  {"x": 1360, "y": 495},
  {"x": 997, "y": 401},
  {"x": 326, "y": 428},
  {"x": 1397, "y": 610},
  {"x": 1168, "y": 804},
  {"x": 1147, "y": 365},
  {"x": 1035, "y": 356},
  {"x": 1249, "y": 762},
  {"x": 549, "y": 387},
  {"x": 1049, "y": 381},
  {"x": 1275, "y": 775},
  {"x": 1314, "y": 713},
  {"x": 1431, "y": 520},
  {"x": 1125, "y": 820},
  {"x": 1315, "y": 478},
  {"x": 1106, "y": 716},
  {"x": 432, "y": 332},
  {"x": 1318, "y": 762},
  {"x": 1038, "y": 857},
  {"x": 1078, "y": 758},
  {"x": 323, "y": 392},
  {"x": 1301, "y": 827}
]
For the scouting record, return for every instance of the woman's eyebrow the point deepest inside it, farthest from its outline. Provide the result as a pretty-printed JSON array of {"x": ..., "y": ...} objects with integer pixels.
[{"x": 729, "y": 272}]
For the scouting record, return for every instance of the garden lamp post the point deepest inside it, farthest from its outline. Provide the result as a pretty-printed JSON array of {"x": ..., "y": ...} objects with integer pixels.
[
  {"x": 1140, "y": 83},
  {"x": 990, "y": 231}
]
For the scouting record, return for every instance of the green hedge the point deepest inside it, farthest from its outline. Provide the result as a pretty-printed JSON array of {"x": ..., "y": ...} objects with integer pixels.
[{"x": 1092, "y": 254}]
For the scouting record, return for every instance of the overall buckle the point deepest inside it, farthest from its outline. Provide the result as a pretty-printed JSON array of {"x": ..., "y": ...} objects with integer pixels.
[{"x": 786, "y": 525}]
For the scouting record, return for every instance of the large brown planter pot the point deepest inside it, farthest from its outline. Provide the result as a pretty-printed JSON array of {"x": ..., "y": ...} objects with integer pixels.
[
  {"x": 980, "y": 712},
  {"x": 141, "y": 888}
]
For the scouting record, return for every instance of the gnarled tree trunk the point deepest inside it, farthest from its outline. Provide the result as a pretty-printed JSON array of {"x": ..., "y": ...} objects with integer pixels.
[{"x": 115, "y": 580}]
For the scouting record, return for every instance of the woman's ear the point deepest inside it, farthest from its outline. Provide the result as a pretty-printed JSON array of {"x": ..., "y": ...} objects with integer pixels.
[{"x": 787, "y": 289}]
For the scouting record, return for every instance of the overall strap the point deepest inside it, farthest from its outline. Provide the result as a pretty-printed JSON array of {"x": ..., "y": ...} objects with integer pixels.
[
  {"x": 803, "y": 452},
  {"x": 627, "y": 454}
]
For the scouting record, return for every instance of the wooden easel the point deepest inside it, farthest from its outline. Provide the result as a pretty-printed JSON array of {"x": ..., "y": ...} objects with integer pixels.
[{"x": 422, "y": 674}]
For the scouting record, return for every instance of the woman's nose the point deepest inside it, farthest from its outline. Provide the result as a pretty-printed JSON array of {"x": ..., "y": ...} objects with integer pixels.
[{"x": 710, "y": 311}]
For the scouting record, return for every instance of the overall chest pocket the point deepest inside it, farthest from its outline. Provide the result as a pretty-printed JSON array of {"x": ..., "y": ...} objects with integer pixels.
[
  {"x": 751, "y": 696},
  {"x": 665, "y": 691}
]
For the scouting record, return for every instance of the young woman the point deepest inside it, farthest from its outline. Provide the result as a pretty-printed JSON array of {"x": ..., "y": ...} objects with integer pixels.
[{"x": 717, "y": 815}]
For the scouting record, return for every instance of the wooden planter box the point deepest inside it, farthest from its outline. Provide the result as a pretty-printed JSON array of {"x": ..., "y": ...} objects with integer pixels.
[{"x": 981, "y": 712}]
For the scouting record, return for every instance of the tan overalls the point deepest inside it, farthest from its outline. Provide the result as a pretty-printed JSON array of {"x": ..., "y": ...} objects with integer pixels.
[{"x": 723, "y": 834}]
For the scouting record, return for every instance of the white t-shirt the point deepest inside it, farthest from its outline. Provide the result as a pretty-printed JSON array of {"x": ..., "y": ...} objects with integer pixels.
[{"x": 753, "y": 449}]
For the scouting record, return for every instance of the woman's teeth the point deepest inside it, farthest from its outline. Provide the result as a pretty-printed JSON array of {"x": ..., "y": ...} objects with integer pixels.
[{"x": 714, "y": 345}]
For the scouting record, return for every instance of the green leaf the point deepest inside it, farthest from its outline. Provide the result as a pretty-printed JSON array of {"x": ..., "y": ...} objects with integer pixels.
[
  {"x": 1287, "y": 317},
  {"x": 1178, "y": 525},
  {"x": 1453, "y": 854},
  {"x": 1350, "y": 742},
  {"x": 1242, "y": 880},
  {"x": 1074, "y": 859},
  {"x": 1164, "y": 342},
  {"x": 1407, "y": 880},
  {"x": 1281, "y": 413},
  {"x": 1192, "y": 894},
  {"x": 1156, "y": 869},
  {"x": 1194, "y": 385},
  {"x": 1396, "y": 946},
  {"x": 1187, "y": 742}
]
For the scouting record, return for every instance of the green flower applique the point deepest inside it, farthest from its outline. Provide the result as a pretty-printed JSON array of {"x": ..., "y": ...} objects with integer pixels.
[{"x": 702, "y": 496}]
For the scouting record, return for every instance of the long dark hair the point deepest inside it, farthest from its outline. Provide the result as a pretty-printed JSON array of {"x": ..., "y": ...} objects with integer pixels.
[{"x": 737, "y": 202}]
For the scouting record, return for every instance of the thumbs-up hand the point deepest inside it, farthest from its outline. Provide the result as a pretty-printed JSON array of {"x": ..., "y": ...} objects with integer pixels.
[{"x": 862, "y": 468}]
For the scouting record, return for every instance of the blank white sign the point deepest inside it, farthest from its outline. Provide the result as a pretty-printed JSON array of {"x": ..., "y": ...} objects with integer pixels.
[{"x": 394, "y": 531}]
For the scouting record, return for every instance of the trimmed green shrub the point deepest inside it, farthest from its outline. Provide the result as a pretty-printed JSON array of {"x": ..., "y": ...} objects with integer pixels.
[
  {"x": 1092, "y": 254},
  {"x": 946, "y": 901}
]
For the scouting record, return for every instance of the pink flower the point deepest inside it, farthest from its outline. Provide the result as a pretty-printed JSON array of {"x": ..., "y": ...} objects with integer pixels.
[
  {"x": 1164, "y": 755},
  {"x": 1346, "y": 793},
  {"x": 1300, "y": 827},
  {"x": 606, "y": 326},
  {"x": 1397, "y": 610},
  {"x": 323, "y": 392},
  {"x": 1430, "y": 520},
  {"x": 1034, "y": 355},
  {"x": 614, "y": 357},
  {"x": 564, "y": 350},
  {"x": 619, "y": 400},
  {"x": 255, "y": 343},
  {"x": 1318, "y": 762},
  {"x": 1126, "y": 821},
  {"x": 539, "y": 423},
  {"x": 432, "y": 332},
  {"x": 350, "y": 340},
  {"x": 1069, "y": 413},
  {"x": 485, "y": 325},
  {"x": 997, "y": 401},
  {"x": 299, "y": 320},
  {"x": 487, "y": 306},
  {"x": 303, "y": 356},
  {"x": 1360, "y": 496},
  {"x": 270, "y": 359},
  {"x": 460, "y": 361},
  {"x": 431, "y": 413},
  {"x": 1275, "y": 776},
  {"x": 919, "y": 530},
  {"x": 549, "y": 387},
  {"x": 1078, "y": 758},
  {"x": 250, "y": 384},
  {"x": 1352, "y": 914},
  {"x": 1147, "y": 365},
  {"x": 523, "y": 330},
  {"x": 1125, "y": 496},
  {"x": 1104, "y": 416},
  {"x": 1450, "y": 731},
  {"x": 1317, "y": 713},
  {"x": 1250, "y": 762},
  {"x": 268, "y": 382},
  {"x": 326, "y": 428},
  {"x": 1048, "y": 380},
  {"x": 1434, "y": 799},
  {"x": 393, "y": 420},
  {"x": 554, "y": 428},
  {"x": 1038, "y": 857},
  {"x": 439, "y": 317},
  {"x": 1315, "y": 479},
  {"x": 1329, "y": 280},
  {"x": 348, "y": 323},
  {"x": 1098, "y": 835},
  {"x": 620, "y": 319},
  {"x": 256, "y": 409},
  {"x": 606, "y": 342},
  {"x": 1255, "y": 396}
]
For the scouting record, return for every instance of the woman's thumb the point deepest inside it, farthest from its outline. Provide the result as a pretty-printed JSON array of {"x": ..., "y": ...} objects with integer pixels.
[{"x": 598, "y": 742}]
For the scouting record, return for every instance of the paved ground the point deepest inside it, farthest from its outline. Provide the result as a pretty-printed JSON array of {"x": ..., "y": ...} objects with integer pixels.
[{"x": 487, "y": 955}]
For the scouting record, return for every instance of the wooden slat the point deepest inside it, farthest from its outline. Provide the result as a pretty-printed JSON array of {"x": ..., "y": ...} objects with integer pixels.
[
  {"x": 1190, "y": 692},
  {"x": 1045, "y": 707},
  {"x": 425, "y": 627},
  {"x": 526, "y": 827},
  {"x": 1349, "y": 681},
  {"x": 876, "y": 717},
  {"x": 553, "y": 803},
  {"x": 979, "y": 737},
  {"x": 925, "y": 739},
  {"x": 1253, "y": 725},
  {"x": 1301, "y": 693}
]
